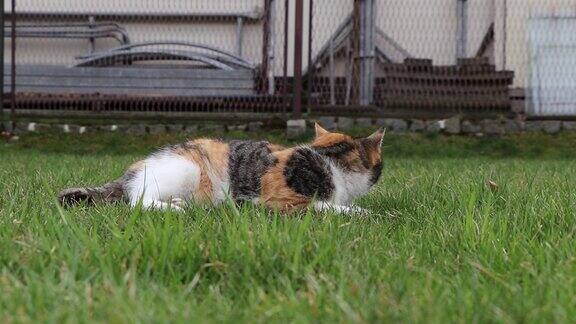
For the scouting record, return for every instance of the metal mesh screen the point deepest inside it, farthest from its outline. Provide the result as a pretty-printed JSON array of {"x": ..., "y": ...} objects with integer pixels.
[
  {"x": 237, "y": 59},
  {"x": 407, "y": 56},
  {"x": 213, "y": 59}
]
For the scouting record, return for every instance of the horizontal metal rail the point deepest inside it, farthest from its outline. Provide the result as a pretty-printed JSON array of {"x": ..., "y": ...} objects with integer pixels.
[{"x": 248, "y": 16}]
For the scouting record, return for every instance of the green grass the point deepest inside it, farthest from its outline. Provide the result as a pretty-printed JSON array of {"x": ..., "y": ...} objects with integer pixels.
[{"x": 442, "y": 248}]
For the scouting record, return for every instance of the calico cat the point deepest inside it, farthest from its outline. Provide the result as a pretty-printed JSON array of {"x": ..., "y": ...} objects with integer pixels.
[{"x": 329, "y": 173}]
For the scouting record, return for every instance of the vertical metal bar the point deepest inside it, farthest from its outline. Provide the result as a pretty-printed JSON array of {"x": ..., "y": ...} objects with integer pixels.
[
  {"x": 298, "y": 56},
  {"x": 267, "y": 53},
  {"x": 366, "y": 52},
  {"x": 505, "y": 35},
  {"x": 239, "y": 34},
  {"x": 461, "y": 28},
  {"x": 350, "y": 70},
  {"x": 271, "y": 45},
  {"x": 355, "y": 58},
  {"x": 286, "y": 40},
  {"x": 331, "y": 68},
  {"x": 2, "y": 20},
  {"x": 311, "y": 68},
  {"x": 13, "y": 63},
  {"x": 91, "y": 21}
]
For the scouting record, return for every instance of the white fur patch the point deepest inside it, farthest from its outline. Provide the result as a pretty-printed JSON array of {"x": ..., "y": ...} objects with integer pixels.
[
  {"x": 348, "y": 185},
  {"x": 165, "y": 176}
]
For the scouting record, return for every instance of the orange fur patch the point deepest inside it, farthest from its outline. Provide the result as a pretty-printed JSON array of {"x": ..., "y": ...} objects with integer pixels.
[
  {"x": 352, "y": 160},
  {"x": 211, "y": 156},
  {"x": 331, "y": 139},
  {"x": 275, "y": 148},
  {"x": 275, "y": 191}
]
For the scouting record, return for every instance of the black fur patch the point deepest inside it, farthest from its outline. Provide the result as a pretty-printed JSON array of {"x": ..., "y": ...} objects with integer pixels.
[
  {"x": 248, "y": 162},
  {"x": 309, "y": 175}
]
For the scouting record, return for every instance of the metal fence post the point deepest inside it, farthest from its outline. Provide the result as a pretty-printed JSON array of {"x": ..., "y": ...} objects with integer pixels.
[
  {"x": 285, "y": 53},
  {"x": 311, "y": 68},
  {"x": 298, "y": 55},
  {"x": 2, "y": 19},
  {"x": 13, "y": 63},
  {"x": 461, "y": 28},
  {"x": 367, "y": 52},
  {"x": 267, "y": 82}
]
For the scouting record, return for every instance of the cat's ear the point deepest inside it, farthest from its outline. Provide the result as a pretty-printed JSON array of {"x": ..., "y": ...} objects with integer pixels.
[
  {"x": 319, "y": 130},
  {"x": 378, "y": 137}
]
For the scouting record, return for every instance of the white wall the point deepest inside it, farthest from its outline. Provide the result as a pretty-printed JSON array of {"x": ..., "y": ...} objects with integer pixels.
[
  {"x": 426, "y": 28},
  {"x": 218, "y": 33},
  {"x": 512, "y": 46}
]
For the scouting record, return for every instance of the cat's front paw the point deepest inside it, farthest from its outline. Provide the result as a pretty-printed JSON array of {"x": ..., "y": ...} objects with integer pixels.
[
  {"x": 178, "y": 204},
  {"x": 359, "y": 211}
]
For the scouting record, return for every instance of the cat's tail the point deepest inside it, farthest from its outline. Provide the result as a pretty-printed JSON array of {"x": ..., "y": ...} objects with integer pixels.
[{"x": 108, "y": 193}]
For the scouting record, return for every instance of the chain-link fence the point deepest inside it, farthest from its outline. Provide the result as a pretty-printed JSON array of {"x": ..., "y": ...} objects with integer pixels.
[
  {"x": 145, "y": 59},
  {"x": 256, "y": 59}
]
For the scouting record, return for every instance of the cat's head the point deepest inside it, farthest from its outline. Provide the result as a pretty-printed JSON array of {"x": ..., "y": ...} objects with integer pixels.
[{"x": 357, "y": 155}]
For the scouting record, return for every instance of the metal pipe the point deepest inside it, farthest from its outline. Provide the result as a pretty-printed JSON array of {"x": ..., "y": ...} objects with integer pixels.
[
  {"x": 271, "y": 47},
  {"x": 298, "y": 56},
  {"x": 92, "y": 40},
  {"x": 461, "y": 28},
  {"x": 239, "y": 28}
]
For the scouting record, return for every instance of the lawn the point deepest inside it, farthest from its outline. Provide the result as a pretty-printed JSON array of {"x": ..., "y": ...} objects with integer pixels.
[{"x": 443, "y": 246}]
